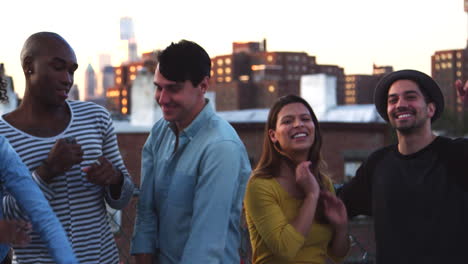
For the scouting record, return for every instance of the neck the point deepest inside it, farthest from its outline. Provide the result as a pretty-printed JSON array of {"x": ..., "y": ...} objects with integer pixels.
[
  {"x": 198, "y": 108},
  {"x": 413, "y": 142},
  {"x": 37, "y": 110}
]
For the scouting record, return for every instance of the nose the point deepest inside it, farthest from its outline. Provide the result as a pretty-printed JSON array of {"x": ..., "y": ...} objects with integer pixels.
[
  {"x": 161, "y": 96},
  {"x": 298, "y": 123},
  {"x": 67, "y": 78},
  {"x": 401, "y": 103}
]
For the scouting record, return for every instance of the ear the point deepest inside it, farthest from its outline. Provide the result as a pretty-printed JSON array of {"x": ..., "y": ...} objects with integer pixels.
[
  {"x": 272, "y": 135},
  {"x": 27, "y": 64},
  {"x": 431, "y": 108},
  {"x": 204, "y": 84}
]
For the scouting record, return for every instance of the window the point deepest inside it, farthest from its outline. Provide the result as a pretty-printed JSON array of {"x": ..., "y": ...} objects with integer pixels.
[{"x": 271, "y": 88}]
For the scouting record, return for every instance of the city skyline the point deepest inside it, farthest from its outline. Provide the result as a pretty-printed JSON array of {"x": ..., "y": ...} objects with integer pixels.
[{"x": 351, "y": 34}]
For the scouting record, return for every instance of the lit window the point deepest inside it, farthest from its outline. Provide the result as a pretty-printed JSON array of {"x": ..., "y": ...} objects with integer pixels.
[
  {"x": 124, "y": 101},
  {"x": 443, "y": 65},
  {"x": 220, "y": 62},
  {"x": 124, "y": 93},
  {"x": 459, "y": 74},
  {"x": 227, "y": 79},
  {"x": 459, "y": 55},
  {"x": 244, "y": 78},
  {"x": 132, "y": 69},
  {"x": 228, "y": 70},
  {"x": 219, "y": 79},
  {"x": 220, "y": 71},
  {"x": 449, "y": 56},
  {"x": 458, "y": 64},
  {"x": 443, "y": 56},
  {"x": 124, "y": 110},
  {"x": 118, "y": 80},
  {"x": 437, "y": 57},
  {"x": 437, "y": 66},
  {"x": 132, "y": 77},
  {"x": 270, "y": 58},
  {"x": 227, "y": 61},
  {"x": 449, "y": 65},
  {"x": 271, "y": 88},
  {"x": 118, "y": 71},
  {"x": 211, "y": 72}
]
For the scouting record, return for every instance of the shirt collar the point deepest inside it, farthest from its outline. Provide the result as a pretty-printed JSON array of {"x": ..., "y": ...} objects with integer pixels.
[{"x": 191, "y": 130}]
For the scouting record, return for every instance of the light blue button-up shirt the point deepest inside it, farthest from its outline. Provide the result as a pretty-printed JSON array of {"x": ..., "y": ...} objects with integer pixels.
[
  {"x": 191, "y": 199},
  {"x": 16, "y": 179}
]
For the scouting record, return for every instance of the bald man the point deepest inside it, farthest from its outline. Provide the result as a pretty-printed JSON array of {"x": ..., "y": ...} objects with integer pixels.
[{"x": 71, "y": 150}]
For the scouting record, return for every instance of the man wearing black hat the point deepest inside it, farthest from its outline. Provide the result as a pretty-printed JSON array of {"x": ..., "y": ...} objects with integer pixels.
[{"x": 416, "y": 190}]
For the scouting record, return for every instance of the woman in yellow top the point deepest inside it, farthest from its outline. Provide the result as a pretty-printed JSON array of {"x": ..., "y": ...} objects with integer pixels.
[{"x": 292, "y": 213}]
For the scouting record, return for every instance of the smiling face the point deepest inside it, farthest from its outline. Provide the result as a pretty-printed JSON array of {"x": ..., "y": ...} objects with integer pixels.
[
  {"x": 180, "y": 101},
  {"x": 294, "y": 131},
  {"x": 50, "y": 73},
  {"x": 407, "y": 108}
]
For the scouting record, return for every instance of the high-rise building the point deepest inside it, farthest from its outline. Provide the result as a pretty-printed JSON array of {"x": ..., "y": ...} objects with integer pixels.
[
  {"x": 252, "y": 77},
  {"x": 108, "y": 78},
  {"x": 90, "y": 83},
  {"x": 119, "y": 94},
  {"x": 359, "y": 88},
  {"x": 448, "y": 66},
  {"x": 127, "y": 33}
]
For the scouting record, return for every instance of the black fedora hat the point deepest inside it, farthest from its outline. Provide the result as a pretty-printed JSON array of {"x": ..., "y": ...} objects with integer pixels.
[{"x": 427, "y": 85}]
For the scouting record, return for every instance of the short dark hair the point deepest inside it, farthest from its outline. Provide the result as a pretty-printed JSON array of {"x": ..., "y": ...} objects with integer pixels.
[{"x": 185, "y": 60}]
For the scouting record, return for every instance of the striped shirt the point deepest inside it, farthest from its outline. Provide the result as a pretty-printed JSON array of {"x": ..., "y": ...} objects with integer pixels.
[{"x": 79, "y": 204}]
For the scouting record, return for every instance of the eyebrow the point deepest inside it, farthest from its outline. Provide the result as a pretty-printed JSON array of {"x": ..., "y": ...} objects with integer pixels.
[
  {"x": 405, "y": 93},
  {"x": 171, "y": 85},
  {"x": 60, "y": 60},
  {"x": 301, "y": 115}
]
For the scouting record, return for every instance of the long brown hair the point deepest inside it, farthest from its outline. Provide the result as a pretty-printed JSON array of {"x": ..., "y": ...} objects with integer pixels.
[{"x": 272, "y": 155}]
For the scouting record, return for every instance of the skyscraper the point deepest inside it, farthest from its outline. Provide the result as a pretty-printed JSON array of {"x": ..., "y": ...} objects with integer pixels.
[
  {"x": 90, "y": 83},
  {"x": 127, "y": 33}
]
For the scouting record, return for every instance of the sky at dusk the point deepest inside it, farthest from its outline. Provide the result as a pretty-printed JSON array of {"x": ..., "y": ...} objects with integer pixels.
[{"x": 351, "y": 34}]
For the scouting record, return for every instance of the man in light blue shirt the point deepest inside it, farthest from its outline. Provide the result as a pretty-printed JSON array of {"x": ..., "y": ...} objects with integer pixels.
[{"x": 194, "y": 170}]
